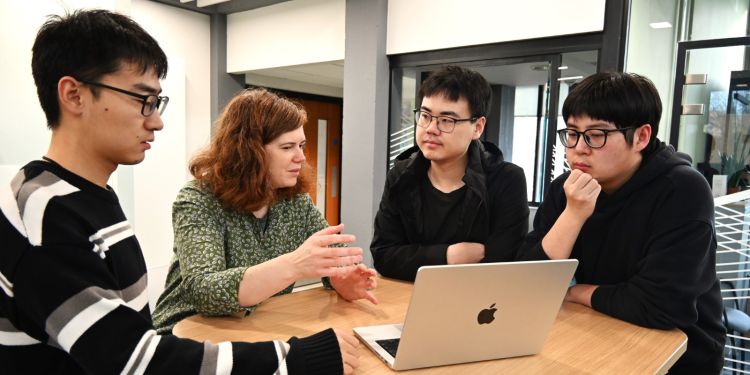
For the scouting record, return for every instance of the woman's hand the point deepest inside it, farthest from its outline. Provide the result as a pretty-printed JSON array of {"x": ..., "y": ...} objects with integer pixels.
[
  {"x": 314, "y": 258},
  {"x": 356, "y": 283}
]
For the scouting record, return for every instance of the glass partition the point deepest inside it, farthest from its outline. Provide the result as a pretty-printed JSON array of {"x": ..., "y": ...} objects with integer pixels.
[
  {"x": 711, "y": 114},
  {"x": 525, "y": 92}
]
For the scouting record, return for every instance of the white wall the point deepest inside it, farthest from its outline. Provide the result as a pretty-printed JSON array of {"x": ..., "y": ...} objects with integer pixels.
[
  {"x": 293, "y": 85},
  {"x": 423, "y": 25},
  {"x": 185, "y": 38},
  {"x": 184, "y": 35},
  {"x": 23, "y": 134},
  {"x": 147, "y": 190},
  {"x": 290, "y": 33}
]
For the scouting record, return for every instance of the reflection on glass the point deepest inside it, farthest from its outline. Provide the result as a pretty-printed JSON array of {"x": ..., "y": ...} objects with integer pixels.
[
  {"x": 401, "y": 135},
  {"x": 728, "y": 135}
]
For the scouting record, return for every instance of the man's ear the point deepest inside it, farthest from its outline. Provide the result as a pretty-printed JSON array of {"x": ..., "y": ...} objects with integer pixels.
[
  {"x": 70, "y": 95},
  {"x": 641, "y": 137},
  {"x": 479, "y": 127}
]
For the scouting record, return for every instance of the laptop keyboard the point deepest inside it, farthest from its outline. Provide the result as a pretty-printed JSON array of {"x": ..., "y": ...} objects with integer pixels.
[{"x": 390, "y": 345}]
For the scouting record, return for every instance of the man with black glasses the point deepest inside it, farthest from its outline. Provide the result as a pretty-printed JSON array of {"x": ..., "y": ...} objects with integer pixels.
[
  {"x": 636, "y": 215},
  {"x": 73, "y": 283},
  {"x": 451, "y": 199}
]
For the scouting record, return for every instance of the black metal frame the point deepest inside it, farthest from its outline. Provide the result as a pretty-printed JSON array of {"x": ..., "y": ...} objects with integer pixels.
[{"x": 679, "y": 77}]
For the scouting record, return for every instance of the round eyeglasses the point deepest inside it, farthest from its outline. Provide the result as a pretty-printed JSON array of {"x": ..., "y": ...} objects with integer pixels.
[
  {"x": 445, "y": 124},
  {"x": 594, "y": 138},
  {"x": 150, "y": 103}
]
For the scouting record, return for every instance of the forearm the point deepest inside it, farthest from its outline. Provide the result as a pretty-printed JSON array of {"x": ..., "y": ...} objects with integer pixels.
[
  {"x": 558, "y": 242},
  {"x": 504, "y": 243},
  {"x": 581, "y": 293},
  {"x": 403, "y": 261},
  {"x": 262, "y": 281}
]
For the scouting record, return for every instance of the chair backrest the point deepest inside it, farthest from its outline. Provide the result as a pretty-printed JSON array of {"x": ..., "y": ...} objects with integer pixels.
[{"x": 732, "y": 224}]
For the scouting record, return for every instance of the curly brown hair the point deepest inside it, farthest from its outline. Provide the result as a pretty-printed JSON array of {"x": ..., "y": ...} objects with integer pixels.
[{"x": 234, "y": 166}]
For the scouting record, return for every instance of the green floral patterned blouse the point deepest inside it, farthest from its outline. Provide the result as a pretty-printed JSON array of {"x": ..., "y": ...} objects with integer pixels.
[{"x": 214, "y": 246}]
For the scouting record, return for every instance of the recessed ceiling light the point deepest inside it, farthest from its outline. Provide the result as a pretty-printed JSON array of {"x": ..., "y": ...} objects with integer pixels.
[
  {"x": 563, "y": 67},
  {"x": 660, "y": 25}
]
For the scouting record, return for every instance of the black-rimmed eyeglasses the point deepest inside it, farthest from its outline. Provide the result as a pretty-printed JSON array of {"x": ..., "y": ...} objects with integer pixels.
[
  {"x": 445, "y": 124},
  {"x": 150, "y": 103},
  {"x": 594, "y": 138}
]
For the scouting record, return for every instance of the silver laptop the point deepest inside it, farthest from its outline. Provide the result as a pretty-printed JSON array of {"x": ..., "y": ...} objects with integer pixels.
[{"x": 473, "y": 312}]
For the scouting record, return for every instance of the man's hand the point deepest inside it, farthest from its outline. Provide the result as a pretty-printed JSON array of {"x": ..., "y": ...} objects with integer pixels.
[
  {"x": 581, "y": 191},
  {"x": 581, "y": 293},
  {"x": 349, "y": 347},
  {"x": 465, "y": 253},
  {"x": 356, "y": 283}
]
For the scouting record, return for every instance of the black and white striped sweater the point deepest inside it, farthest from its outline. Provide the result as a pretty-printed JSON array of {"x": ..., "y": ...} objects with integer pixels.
[{"x": 74, "y": 300}]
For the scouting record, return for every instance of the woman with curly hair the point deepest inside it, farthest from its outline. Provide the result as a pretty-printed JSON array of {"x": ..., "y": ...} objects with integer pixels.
[{"x": 245, "y": 229}]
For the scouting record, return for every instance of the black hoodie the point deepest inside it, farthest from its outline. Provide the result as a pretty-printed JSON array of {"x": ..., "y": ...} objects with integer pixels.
[
  {"x": 494, "y": 212},
  {"x": 651, "y": 248}
]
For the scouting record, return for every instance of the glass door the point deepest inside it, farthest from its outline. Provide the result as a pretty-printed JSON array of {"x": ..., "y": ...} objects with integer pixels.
[
  {"x": 525, "y": 92},
  {"x": 711, "y": 110}
]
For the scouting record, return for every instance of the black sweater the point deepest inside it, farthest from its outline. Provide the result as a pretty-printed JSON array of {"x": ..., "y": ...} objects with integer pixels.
[
  {"x": 494, "y": 212},
  {"x": 73, "y": 293},
  {"x": 650, "y": 246}
]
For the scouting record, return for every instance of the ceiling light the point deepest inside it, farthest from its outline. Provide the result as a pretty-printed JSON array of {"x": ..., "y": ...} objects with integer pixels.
[
  {"x": 572, "y": 78},
  {"x": 563, "y": 67},
  {"x": 660, "y": 25}
]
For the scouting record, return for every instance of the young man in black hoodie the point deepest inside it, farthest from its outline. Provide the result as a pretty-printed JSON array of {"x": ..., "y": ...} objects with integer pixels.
[
  {"x": 451, "y": 199},
  {"x": 636, "y": 215}
]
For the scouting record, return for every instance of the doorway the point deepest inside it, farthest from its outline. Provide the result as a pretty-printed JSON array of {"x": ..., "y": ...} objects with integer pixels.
[{"x": 323, "y": 150}]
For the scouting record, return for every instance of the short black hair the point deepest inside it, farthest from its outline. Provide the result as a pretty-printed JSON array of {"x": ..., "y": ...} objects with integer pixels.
[
  {"x": 624, "y": 99},
  {"x": 455, "y": 82},
  {"x": 86, "y": 45}
]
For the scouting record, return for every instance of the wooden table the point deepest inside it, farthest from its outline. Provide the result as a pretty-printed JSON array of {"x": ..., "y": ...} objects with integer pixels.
[{"x": 582, "y": 340}]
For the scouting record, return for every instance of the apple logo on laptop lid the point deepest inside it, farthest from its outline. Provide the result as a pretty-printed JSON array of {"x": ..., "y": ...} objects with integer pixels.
[{"x": 486, "y": 316}]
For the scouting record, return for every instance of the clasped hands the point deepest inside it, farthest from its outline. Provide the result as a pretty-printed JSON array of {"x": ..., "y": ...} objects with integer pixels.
[{"x": 315, "y": 258}]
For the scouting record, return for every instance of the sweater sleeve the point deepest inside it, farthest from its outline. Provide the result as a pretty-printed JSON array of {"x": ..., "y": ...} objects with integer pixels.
[
  {"x": 393, "y": 254},
  {"x": 199, "y": 240},
  {"x": 677, "y": 268},
  {"x": 509, "y": 217},
  {"x": 78, "y": 308}
]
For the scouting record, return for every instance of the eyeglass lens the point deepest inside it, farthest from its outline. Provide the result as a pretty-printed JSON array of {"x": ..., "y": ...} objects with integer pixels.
[
  {"x": 444, "y": 124},
  {"x": 153, "y": 103},
  {"x": 595, "y": 138}
]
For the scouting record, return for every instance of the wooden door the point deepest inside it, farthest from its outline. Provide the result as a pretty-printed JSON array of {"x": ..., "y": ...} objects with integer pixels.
[{"x": 323, "y": 152}]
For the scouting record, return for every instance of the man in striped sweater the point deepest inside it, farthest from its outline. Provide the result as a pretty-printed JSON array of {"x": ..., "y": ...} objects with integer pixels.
[{"x": 72, "y": 277}]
